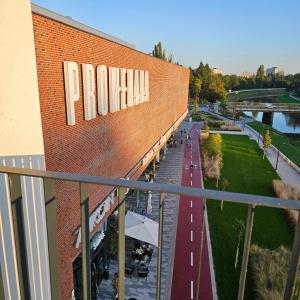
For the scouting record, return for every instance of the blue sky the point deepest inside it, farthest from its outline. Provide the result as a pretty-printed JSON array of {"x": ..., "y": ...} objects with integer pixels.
[{"x": 235, "y": 35}]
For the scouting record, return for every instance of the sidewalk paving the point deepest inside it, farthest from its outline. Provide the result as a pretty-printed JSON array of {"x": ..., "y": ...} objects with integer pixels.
[
  {"x": 284, "y": 170},
  {"x": 145, "y": 289}
]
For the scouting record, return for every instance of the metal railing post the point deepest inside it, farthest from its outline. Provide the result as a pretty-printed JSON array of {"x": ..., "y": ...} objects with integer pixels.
[
  {"x": 246, "y": 251},
  {"x": 159, "y": 248},
  {"x": 121, "y": 243},
  {"x": 85, "y": 241},
  {"x": 277, "y": 159},
  {"x": 1, "y": 286},
  {"x": 19, "y": 234},
  {"x": 50, "y": 207},
  {"x": 294, "y": 264}
]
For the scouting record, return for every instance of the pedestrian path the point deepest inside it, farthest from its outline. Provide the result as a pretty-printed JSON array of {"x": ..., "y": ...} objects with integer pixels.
[
  {"x": 191, "y": 279},
  {"x": 170, "y": 172},
  {"x": 284, "y": 170}
]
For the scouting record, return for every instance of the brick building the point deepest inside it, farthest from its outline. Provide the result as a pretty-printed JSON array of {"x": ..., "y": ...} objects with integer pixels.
[
  {"x": 118, "y": 144},
  {"x": 78, "y": 100}
]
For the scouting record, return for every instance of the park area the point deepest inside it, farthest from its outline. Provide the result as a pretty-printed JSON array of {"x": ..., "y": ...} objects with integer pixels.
[
  {"x": 244, "y": 171},
  {"x": 288, "y": 145}
]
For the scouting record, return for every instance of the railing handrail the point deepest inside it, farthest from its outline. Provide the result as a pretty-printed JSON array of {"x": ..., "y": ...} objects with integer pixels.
[{"x": 255, "y": 200}]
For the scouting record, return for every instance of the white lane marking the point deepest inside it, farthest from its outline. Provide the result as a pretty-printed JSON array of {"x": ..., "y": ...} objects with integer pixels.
[
  {"x": 191, "y": 161},
  {"x": 191, "y": 182},
  {"x": 192, "y": 236},
  {"x": 192, "y": 259},
  {"x": 192, "y": 289},
  {"x": 191, "y": 203},
  {"x": 191, "y": 174},
  {"x": 191, "y": 218}
]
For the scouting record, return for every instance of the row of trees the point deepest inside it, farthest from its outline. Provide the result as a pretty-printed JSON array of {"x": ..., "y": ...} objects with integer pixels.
[
  {"x": 207, "y": 86},
  {"x": 211, "y": 87},
  {"x": 160, "y": 52}
]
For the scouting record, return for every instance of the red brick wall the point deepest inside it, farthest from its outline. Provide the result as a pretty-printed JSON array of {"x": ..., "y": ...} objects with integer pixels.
[{"x": 107, "y": 146}]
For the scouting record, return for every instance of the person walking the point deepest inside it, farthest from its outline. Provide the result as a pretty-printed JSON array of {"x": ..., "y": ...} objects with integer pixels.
[{"x": 191, "y": 168}]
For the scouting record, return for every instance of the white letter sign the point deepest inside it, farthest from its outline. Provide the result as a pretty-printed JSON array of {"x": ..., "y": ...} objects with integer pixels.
[
  {"x": 114, "y": 89},
  {"x": 88, "y": 81},
  {"x": 102, "y": 90},
  {"x": 71, "y": 89},
  {"x": 117, "y": 89}
]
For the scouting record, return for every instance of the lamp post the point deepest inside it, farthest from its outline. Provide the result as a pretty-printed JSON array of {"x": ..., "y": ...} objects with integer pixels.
[{"x": 277, "y": 159}]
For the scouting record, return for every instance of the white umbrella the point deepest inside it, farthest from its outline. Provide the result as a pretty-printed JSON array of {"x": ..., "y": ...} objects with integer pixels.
[
  {"x": 141, "y": 228},
  {"x": 149, "y": 204}
]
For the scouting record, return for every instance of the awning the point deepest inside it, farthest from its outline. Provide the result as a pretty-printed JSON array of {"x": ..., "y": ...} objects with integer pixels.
[{"x": 141, "y": 228}]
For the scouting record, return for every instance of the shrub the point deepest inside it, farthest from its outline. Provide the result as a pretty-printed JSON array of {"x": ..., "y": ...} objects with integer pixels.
[
  {"x": 212, "y": 156},
  {"x": 270, "y": 268},
  {"x": 231, "y": 127},
  {"x": 215, "y": 124},
  {"x": 286, "y": 191}
]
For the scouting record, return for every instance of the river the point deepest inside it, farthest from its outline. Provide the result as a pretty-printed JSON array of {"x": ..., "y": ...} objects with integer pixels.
[{"x": 283, "y": 122}]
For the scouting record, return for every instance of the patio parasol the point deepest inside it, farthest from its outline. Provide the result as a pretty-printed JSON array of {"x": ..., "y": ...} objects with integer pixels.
[{"x": 141, "y": 228}]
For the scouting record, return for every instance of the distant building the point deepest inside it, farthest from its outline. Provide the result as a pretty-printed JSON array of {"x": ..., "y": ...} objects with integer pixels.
[
  {"x": 217, "y": 71},
  {"x": 274, "y": 71},
  {"x": 247, "y": 74}
]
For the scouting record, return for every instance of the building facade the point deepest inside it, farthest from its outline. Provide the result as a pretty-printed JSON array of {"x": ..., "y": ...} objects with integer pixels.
[
  {"x": 248, "y": 74},
  {"x": 104, "y": 109},
  {"x": 217, "y": 71},
  {"x": 275, "y": 71}
]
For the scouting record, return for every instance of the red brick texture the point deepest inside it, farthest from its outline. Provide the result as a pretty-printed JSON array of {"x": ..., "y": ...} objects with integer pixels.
[{"x": 107, "y": 146}]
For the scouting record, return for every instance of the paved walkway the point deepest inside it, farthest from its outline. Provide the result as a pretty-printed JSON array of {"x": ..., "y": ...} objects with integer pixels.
[
  {"x": 284, "y": 170},
  {"x": 170, "y": 171},
  {"x": 188, "y": 282}
]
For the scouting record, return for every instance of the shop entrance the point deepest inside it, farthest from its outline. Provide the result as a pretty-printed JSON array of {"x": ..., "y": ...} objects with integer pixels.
[{"x": 99, "y": 269}]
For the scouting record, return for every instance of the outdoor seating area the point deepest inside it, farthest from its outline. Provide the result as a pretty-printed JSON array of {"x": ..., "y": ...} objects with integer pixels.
[
  {"x": 138, "y": 261},
  {"x": 141, "y": 255}
]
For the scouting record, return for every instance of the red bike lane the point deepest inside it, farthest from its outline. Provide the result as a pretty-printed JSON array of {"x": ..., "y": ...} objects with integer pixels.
[{"x": 188, "y": 282}]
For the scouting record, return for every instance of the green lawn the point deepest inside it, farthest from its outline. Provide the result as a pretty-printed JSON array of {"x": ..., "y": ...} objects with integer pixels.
[
  {"x": 247, "y": 172},
  {"x": 286, "y": 99},
  {"x": 256, "y": 93},
  {"x": 289, "y": 146}
]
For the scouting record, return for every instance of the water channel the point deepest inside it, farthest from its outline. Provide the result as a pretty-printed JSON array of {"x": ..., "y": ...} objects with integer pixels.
[{"x": 283, "y": 122}]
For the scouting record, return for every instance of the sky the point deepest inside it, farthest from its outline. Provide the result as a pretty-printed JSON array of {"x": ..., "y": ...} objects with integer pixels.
[{"x": 234, "y": 35}]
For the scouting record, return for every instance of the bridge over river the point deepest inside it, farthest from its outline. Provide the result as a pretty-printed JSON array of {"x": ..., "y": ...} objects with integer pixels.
[
  {"x": 264, "y": 107},
  {"x": 268, "y": 109}
]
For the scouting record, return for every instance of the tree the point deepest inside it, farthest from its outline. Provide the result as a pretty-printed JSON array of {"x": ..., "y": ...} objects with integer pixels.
[
  {"x": 195, "y": 106},
  {"x": 240, "y": 228},
  {"x": 225, "y": 185},
  {"x": 260, "y": 76},
  {"x": 223, "y": 105},
  {"x": 159, "y": 52},
  {"x": 267, "y": 141},
  {"x": 195, "y": 87}
]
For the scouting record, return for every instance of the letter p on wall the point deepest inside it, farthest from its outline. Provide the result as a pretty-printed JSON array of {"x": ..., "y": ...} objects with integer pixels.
[{"x": 71, "y": 89}]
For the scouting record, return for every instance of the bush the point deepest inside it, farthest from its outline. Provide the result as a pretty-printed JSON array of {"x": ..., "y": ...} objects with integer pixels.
[
  {"x": 286, "y": 191},
  {"x": 231, "y": 128},
  {"x": 215, "y": 124},
  {"x": 270, "y": 268},
  {"x": 212, "y": 156}
]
